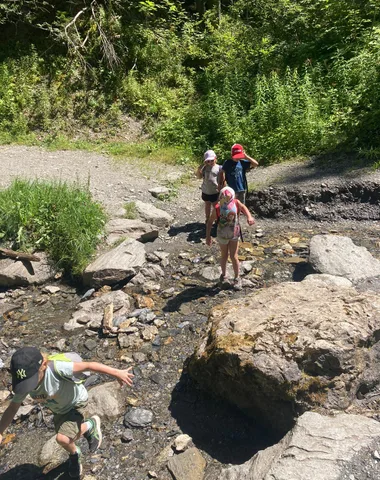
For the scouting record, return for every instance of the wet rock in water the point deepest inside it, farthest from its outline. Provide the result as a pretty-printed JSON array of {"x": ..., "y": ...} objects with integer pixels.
[
  {"x": 52, "y": 454},
  {"x": 324, "y": 278},
  {"x": 87, "y": 294},
  {"x": 153, "y": 215},
  {"x": 14, "y": 273},
  {"x": 318, "y": 447},
  {"x": 91, "y": 311},
  {"x": 138, "y": 418},
  {"x": 189, "y": 465},
  {"x": 339, "y": 256},
  {"x": 182, "y": 442},
  {"x": 106, "y": 400},
  {"x": 116, "y": 265},
  {"x": 270, "y": 354},
  {"x": 210, "y": 274},
  {"x": 119, "y": 228}
]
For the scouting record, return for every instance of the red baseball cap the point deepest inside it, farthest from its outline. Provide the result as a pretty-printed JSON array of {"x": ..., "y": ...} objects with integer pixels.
[{"x": 237, "y": 151}]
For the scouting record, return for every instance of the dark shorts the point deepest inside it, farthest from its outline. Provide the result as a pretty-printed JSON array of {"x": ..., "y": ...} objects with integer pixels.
[
  {"x": 210, "y": 198},
  {"x": 69, "y": 423}
]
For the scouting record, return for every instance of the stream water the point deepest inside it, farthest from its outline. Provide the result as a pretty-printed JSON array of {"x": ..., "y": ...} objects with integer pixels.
[{"x": 223, "y": 434}]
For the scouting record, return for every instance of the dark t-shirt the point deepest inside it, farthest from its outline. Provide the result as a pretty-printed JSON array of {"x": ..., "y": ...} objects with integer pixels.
[{"x": 235, "y": 174}]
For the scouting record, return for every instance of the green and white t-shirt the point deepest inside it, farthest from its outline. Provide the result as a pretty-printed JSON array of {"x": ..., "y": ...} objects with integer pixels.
[{"x": 58, "y": 393}]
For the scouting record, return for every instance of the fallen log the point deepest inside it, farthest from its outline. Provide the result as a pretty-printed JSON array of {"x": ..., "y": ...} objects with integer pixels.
[{"x": 19, "y": 255}]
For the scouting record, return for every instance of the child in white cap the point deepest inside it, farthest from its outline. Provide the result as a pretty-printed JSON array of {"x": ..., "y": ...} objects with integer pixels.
[
  {"x": 227, "y": 213},
  {"x": 210, "y": 172}
]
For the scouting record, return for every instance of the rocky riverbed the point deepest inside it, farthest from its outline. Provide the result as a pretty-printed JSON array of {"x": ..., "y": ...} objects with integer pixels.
[{"x": 171, "y": 314}]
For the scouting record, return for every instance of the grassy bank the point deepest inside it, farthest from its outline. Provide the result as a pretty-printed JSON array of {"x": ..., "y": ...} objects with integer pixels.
[{"x": 54, "y": 217}]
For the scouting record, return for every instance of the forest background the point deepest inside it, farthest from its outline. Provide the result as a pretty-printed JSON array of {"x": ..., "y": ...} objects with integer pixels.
[{"x": 286, "y": 78}]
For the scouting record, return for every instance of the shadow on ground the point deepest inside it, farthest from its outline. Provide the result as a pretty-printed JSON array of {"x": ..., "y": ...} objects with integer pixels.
[
  {"x": 215, "y": 426},
  {"x": 28, "y": 471},
  {"x": 196, "y": 231},
  {"x": 188, "y": 295}
]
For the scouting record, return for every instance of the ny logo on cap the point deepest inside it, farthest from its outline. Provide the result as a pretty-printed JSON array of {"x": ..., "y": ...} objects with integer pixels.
[{"x": 21, "y": 373}]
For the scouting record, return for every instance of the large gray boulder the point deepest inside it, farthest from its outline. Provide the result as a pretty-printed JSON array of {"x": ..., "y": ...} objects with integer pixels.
[
  {"x": 339, "y": 256},
  {"x": 290, "y": 348},
  {"x": 152, "y": 214},
  {"x": 116, "y": 265},
  {"x": 106, "y": 400},
  {"x": 17, "y": 273},
  {"x": 123, "y": 227},
  {"x": 318, "y": 448}
]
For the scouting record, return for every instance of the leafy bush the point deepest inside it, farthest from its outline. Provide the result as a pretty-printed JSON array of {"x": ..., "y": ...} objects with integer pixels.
[{"x": 61, "y": 219}]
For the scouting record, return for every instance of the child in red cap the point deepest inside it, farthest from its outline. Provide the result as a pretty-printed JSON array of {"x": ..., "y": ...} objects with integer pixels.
[{"x": 234, "y": 171}]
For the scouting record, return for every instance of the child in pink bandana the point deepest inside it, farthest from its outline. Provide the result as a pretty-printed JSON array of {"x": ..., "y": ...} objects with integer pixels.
[{"x": 227, "y": 212}]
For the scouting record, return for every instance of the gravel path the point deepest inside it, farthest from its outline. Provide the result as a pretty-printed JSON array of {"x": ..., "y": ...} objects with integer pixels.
[{"x": 114, "y": 182}]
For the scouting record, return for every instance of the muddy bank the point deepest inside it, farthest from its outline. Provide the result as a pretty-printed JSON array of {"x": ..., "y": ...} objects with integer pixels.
[{"x": 348, "y": 201}]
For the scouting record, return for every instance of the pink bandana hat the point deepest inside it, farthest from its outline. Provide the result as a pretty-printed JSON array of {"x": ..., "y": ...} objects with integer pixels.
[{"x": 226, "y": 195}]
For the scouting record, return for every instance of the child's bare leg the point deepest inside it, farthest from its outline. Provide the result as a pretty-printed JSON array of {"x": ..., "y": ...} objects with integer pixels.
[
  {"x": 223, "y": 258},
  {"x": 233, "y": 248},
  {"x": 207, "y": 210},
  {"x": 69, "y": 443}
]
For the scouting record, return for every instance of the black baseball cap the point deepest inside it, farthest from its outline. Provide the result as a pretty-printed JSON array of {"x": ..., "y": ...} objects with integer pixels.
[{"x": 25, "y": 364}]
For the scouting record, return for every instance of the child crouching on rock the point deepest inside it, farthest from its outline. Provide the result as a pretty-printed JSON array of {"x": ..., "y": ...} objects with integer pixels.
[
  {"x": 56, "y": 380},
  {"x": 227, "y": 212}
]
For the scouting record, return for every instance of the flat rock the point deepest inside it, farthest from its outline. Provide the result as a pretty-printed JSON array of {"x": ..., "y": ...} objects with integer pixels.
[
  {"x": 324, "y": 278},
  {"x": 138, "y": 418},
  {"x": 189, "y": 465},
  {"x": 116, "y": 265},
  {"x": 152, "y": 214},
  {"x": 290, "y": 348},
  {"x": 17, "y": 273},
  {"x": 136, "y": 229},
  {"x": 212, "y": 273},
  {"x": 317, "y": 448},
  {"x": 339, "y": 256},
  {"x": 106, "y": 400},
  {"x": 159, "y": 191}
]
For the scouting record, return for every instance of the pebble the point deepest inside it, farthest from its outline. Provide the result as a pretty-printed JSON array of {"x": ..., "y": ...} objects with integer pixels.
[{"x": 127, "y": 435}]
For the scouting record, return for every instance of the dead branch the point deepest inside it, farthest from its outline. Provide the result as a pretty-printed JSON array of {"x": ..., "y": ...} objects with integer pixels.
[{"x": 19, "y": 255}]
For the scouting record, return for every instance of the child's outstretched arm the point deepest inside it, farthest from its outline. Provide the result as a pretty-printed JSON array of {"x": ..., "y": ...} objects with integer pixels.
[
  {"x": 209, "y": 224},
  {"x": 7, "y": 417},
  {"x": 122, "y": 376},
  {"x": 246, "y": 212}
]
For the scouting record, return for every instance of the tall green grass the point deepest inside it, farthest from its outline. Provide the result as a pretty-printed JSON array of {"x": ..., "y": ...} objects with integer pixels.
[{"x": 58, "y": 218}]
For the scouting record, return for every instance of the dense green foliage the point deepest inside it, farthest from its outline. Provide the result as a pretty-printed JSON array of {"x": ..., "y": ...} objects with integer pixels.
[
  {"x": 59, "y": 219},
  {"x": 283, "y": 77}
]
